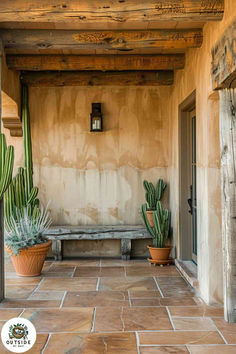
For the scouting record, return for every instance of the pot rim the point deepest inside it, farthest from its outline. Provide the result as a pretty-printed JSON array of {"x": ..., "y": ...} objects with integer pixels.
[
  {"x": 159, "y": 248},
  {"x": 34, "y": 248}
]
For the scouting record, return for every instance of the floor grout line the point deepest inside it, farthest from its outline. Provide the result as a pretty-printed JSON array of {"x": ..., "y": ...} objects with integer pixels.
[
  {"x": 62, "y": 300},
  {"x": 130, "y": 303},
  {"x": 98, "y": 283},
  {"x": 137, "y": 341},
  {"x": 73, "y": 273},
  {"x": 93, "y": 320},
  {"x": 158, "y": 287},
  {"x": 171, "y": 320},
  {"x": 46, "y": 343},
  {"x": 219, "y": 332},
  {"x": 36, "y": 288}
]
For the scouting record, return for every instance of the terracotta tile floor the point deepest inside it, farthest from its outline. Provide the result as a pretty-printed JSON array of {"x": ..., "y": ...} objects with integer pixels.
[{"x": 112, "y": 306}]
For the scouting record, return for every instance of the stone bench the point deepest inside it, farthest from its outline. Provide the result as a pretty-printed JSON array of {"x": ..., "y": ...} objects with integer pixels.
[{"x": 125, "y": 233}]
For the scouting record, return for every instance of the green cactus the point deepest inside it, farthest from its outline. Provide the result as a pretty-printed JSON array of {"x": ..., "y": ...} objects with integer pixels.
[
  {"x": 6, "y": 164},
  {"x": 21, "y": 194},
  {"x": 161, "y": 221},
  {"x": 153, "y": 195}
]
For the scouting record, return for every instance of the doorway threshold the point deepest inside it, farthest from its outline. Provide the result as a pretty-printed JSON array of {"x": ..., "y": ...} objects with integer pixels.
[{"x": 189, "y": 271}]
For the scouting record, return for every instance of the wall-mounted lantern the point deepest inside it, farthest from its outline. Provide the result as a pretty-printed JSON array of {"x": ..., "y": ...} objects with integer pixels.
[{"x": 96, "y": 118}]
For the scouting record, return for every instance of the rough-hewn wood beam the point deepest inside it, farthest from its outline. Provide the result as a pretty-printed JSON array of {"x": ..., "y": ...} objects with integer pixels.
[
  {"x": 96, "y": 62},
  {"x": 121, "y": 11},
  {"x": 107, "y": 40},
  {"x": 228, "y": 193},
  {"x": 224, "y": 59},
  {"x": 98, "y": 78}
]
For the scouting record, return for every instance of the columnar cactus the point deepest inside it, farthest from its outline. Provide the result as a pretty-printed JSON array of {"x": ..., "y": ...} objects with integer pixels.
[
  {"x": 21, "y": 193},
  {"x": 154, "y": 195},
  {"x": 161, "y": 220},
  {"x": 6, "y": 164}
]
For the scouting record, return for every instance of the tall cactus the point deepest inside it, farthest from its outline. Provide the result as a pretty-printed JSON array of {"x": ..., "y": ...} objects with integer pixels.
[
  {"x": 21, "y": 193},
  {"x": 153, "y": 195},
  {"x": 6, "y": 164},
  {"x": 161, "y": 221}
]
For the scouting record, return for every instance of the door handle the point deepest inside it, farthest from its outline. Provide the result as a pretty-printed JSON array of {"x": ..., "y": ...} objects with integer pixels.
[{"x": 190, "y": 201}]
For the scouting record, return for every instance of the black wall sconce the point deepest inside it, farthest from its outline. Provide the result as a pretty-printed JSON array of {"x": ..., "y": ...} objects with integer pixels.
[{"x": 96, "y": 118}]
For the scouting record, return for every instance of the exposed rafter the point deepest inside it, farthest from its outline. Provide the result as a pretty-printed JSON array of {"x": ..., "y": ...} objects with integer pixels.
[
  {"x": 99, "y": 62},
  {"x": 103, "y": 11},
  {"x": 33, "y": 40},
  {"x": 98, "y": 78}
]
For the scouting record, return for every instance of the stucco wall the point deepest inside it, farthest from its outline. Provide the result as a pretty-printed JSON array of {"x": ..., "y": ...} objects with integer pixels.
[
  {"x": 197, "y": 76},
  {"x": 96, "y": 178}
]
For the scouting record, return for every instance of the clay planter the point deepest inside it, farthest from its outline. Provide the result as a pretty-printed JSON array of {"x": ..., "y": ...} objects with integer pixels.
[
  {"x": 149, "y": 214},
  {"x": 29, "y": 262},
  {"x": 159, "y": 254}
]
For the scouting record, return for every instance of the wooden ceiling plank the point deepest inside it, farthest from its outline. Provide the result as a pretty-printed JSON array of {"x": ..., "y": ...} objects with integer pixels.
[
  {"x": 98, "y": 78},
  {"x": 103, "y": 11},
  {"x": 100, "y": 40},
  {"x": 98, "y": 62}
]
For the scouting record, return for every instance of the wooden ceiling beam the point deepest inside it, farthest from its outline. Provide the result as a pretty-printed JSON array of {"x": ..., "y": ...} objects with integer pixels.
[
  {"x": 103, "y": 40},
  {"x": 98, "y": 78},
  {"x": 103, "y": 11},
  {"x": 95, "y": 62}
]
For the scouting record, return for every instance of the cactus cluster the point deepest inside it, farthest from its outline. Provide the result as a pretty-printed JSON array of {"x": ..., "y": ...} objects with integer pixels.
[
  {"x": 161, "y": 221},
  {"x": 6, "y": 164},
  {"x": 153, "y": 195},
  {"x": 21, "y": 194}
]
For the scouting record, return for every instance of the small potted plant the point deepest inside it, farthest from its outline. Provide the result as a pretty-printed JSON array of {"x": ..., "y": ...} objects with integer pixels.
[
  {"x": 159, "y": 232},
  {"x": 25, "y": 241},
  {"x": 153, "y": 195}
]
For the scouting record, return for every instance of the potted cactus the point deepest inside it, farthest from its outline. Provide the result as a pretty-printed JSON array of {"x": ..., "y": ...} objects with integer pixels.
[
  {"x": 153, "y": 195},
  {"x": 25, "y": 221},
  {"x": 159, "y": 232}
]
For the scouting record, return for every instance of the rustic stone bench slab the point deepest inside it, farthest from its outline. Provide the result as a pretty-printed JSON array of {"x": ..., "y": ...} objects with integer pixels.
[{"x": 125, "y": 233}]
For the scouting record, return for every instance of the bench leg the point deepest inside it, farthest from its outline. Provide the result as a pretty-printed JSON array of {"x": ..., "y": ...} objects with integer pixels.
[
  {"x": 57, "y": 250},
  {"x": 125, "y": 249}
]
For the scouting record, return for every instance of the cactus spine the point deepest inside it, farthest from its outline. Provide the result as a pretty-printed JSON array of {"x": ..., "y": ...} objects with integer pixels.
[
  {"x": 21, "y": 192},
  {"x": 153, "y": 195},
  {"x": 6, "y": 165},
  {"x": 161, "y": 221}
]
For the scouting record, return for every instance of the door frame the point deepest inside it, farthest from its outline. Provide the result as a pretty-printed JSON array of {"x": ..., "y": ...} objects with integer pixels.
[{"x": 185, "y": 242}]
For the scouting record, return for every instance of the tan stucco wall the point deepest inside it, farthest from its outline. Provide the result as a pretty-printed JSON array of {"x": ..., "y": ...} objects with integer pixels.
[
  {"x": 96, "y": 178},
  {"x": 197, "y": 76}
]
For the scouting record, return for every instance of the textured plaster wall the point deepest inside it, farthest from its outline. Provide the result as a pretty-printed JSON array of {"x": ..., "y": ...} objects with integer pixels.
[
  {"x": 96, "y": 178},
  {"x": 197, "y": 75}
]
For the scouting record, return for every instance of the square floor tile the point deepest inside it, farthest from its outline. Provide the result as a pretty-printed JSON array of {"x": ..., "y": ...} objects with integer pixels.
[
  {"x": 61, "y": 320},
  {"x": 132, "y": 319},
  {"x": 14, "y": 303},
  {"x": 193, "y": 311},
  {"x": 145, "y": 294},
  {"x": 128, "y": 283},
  {"x": 19, "y": 291},
  {"x": 164, "y": 350},
  {"x": 145, "y": 302},
  {"x": 213, "y": 349},
  {"x": 193, "y": 323},
  {"x": 47, "y": 295},
  {"x": 178, "y": 301},
  {"x": 96, "y": 299},
  {"x": 109, "y": 343},
  {"x": 69, "y": 284},
  {"x": 180, "y": 337},
  {"x": 176, "y": 290}
]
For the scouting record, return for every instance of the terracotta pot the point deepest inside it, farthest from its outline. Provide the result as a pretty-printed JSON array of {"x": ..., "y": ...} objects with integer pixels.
[
  {"x": 150, "y": 217},
  {"x": 29, "y": 262},
  {"x": 159, "y": 254}
]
